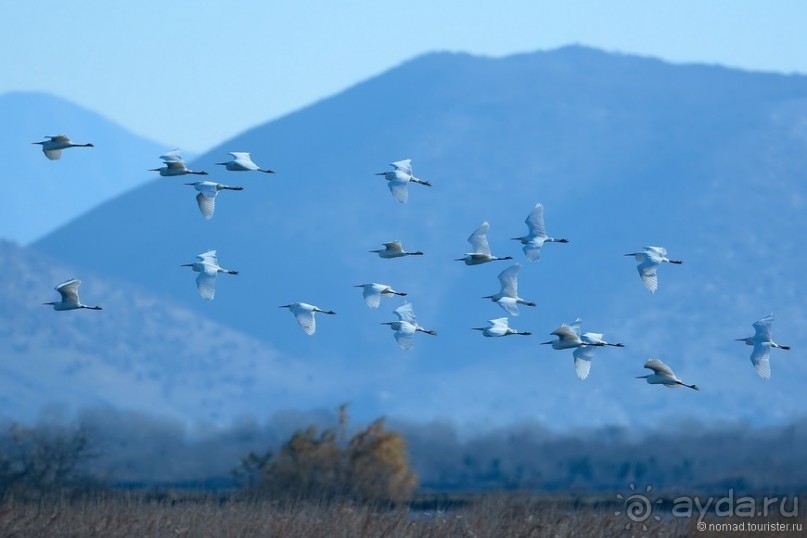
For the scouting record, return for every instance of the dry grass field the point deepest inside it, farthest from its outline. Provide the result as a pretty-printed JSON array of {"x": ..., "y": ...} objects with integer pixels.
[{"x": 492, "y": 515}]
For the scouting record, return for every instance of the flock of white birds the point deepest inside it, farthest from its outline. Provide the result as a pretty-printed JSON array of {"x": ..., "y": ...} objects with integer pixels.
[{"x": 569, "y": 336}]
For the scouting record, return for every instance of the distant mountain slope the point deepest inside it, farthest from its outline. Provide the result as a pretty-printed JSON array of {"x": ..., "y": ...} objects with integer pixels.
[
  {"x": 623, "y": 152},
  {"x": 140, "y": 352},
  {"x": 41, "y": 195}
]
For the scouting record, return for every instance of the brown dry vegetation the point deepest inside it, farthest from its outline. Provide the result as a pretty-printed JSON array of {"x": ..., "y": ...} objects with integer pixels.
[{"x": 490, "y": 515}]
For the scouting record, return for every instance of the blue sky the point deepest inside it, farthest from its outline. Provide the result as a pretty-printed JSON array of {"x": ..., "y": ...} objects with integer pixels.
[{"x": 192, "y": 74}]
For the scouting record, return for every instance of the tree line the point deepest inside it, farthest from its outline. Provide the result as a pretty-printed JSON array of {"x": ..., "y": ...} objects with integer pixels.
[{"x": 296, "y": 455}]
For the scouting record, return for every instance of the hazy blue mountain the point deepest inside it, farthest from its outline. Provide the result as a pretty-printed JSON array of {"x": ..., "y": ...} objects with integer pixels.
[
  {"x": 622, "y": 151},
  {"x": 42, "y": 195},
  {"x": 142, "y": 352}
]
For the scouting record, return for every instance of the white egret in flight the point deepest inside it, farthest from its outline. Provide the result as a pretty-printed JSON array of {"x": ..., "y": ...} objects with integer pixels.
[
  {"x": 663, "y": 375},
  {"x": 568, "y": 337},
  {"x": 394, "y": 249},
  {"x": 241, "y": 162},
  {"x": 508, "y": 297},
  {"x": 536, "y": 237},
  {"x": 400, "y": 177},
  {"x": 499, "y": 327},
  {"x": 207, "y": 267},
  {"x": 70, "y": 301},
  {"x": 374, "y": 292},
  {"x": 304, "y": 313},
  {"x": 479, "y": 243},
  {"x": 52, "y": 148},
  {"x": 406, "y": 326},
  {"x": 208, "y": 190},
  {"x": 762, "y": 342},
  {"x": 174, "y": 165},
  {"x": 584, "y": 344},
  {"x": 649, "y": 260}
]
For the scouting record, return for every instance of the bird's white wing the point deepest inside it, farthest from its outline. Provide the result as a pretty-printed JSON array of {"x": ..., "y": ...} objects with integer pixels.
[
  {"x": 52, "y": 154},
  {"x": 564, "y": 332},
  {"x": 208, "y": 187},
  {"x": 509, "y": 305},
  {"x": 306, "y": 320},
  {"x": 532, "y": 248},
  {"x": 210, "y": 255},
  {"x": 206, "y": 283},
  {"x": 658, "y": 251},
  {"x": 582, "y": 360},
  {"x": 399, "y": 188},
  {"x": 592, "y": 338},
  {"x": 575, "y": 326},
  {"x": 535, "y": 221},
  {"x": 61, "y": 139},
  {"x": 243, "y": 159},
  {"x": 394, "y": 246},
  {"x": 761, "y": 359},
  {"x": 176, "y": 165},
  {"x": 172, "y": 156},
  {"x": 509, "y": 281},
  {"x": 498, "y": 327},
  {"x": 69, "y": 290},
  {"x": 404, "y": 166},
  {"x": 659, "y": 367},
  {"x": 372, "y": 296},
  {"x": 207, "y": 205},
  {"x": 405, "y": 335},
  {"x": 406, "y": 313},
  {"x": 762, "y": 328},
  {"x": 479, "y": 239},
  {"x": 647, "y": 271}
]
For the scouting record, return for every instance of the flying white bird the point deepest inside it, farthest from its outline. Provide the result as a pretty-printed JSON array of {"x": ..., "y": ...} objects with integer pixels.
[
  {"x": 70, "y": 301},
  {"x": 499, "y": 327},
  {"x": 663, "y": 375},
  {"x": 583, "y": 354},
  {"x": 649, "y": 259},
  {"x": 508, "y": 297},
  {"x": 394, "y": 249},
  {"x": 569, "y": 337},
  {"x": 373, "y": 293},
  {"x": 207, "y": 267},
  {"x": 406, "y": 326},
  {"x": 208, "y": 190},
  {"x": 53, "y": 147},
  {"x": 400, "y": 177},
  {"x": 174, "y": 165},
  {"x": 481, "y": 253},
  {"x": 762, "y": 342},
  {"x": 304, "y": 313},
  {"x": 536, "y": 237},
  {"x": 241, "y": 162}
]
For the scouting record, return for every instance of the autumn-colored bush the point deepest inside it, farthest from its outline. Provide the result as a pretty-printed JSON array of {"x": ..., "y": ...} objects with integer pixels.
[{"x": 372, "y": 466}]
